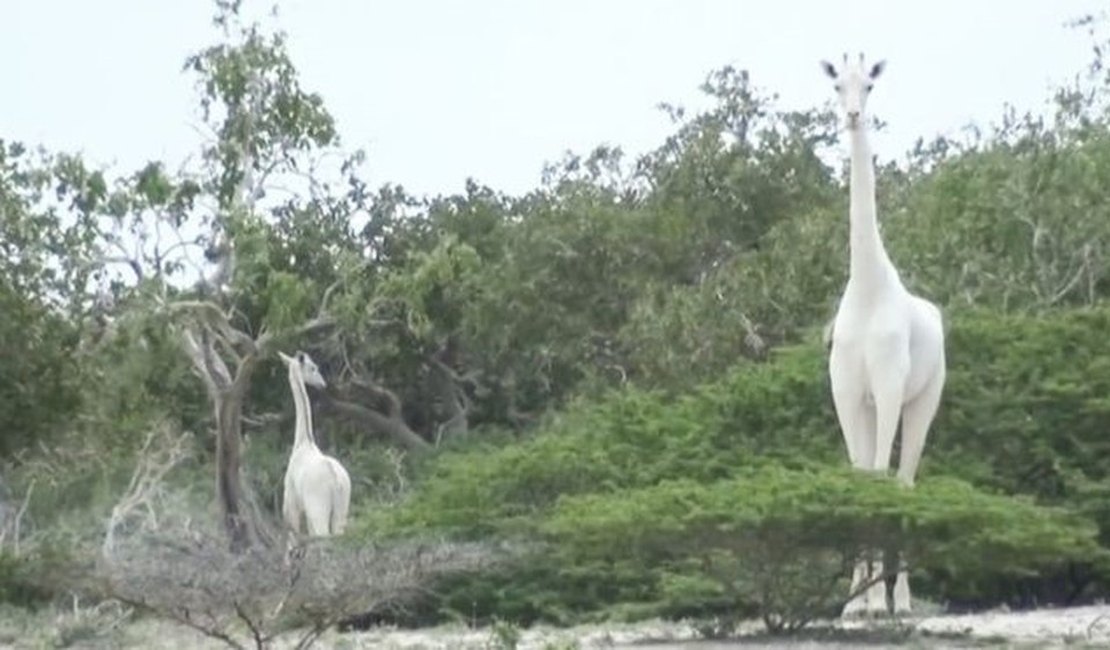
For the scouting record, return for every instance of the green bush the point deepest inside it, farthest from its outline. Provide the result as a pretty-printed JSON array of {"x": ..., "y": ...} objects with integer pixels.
[
  {"x": 1026, "y": 403},
  {"x": 779, "y": 543},
  {"x": 1022, "y": 414},
  {"x": 633, "y": 438},
  {"x": 19, "y": 583}
]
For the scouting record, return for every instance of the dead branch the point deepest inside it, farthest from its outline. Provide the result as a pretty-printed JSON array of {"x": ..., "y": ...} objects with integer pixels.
[
  {"x": 310, "y": 637},
  {"x": 756, "y": 344},
  {"x": 13, "y": 522},
  {"x": 265, "y": 419},
  {"x": 397, "y": 462},
  {"x": 266, "y": 339},
  {"x": 260, "y": 639},
  {"x": 390, "y": 424},
  {"x": 207, "y": 366},
  {"x": 381, "y": 393},
  {"x": 130, "y": 262},
  {"x": 209, "y": 315},
  {"x": 1069, "y": 284},
  {"x": 154, "y": 462},
  {"x": 183, "y": 617}
]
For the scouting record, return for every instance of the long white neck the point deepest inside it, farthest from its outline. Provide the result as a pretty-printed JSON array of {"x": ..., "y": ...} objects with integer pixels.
[
  {"x": 302, "y": 432},
  {"x": 869, "y": 261}
]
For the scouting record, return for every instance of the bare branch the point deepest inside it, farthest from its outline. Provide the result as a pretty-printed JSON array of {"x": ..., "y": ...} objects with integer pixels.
[
  {"x": 183, "y": 243},
  {"x": 154, "y": 462},
  {"x": 313, "y": 633},
  {"x": 392, "y": 426},
  {"x": 210, "y": 589},
  {"x": 198, "y": 356},
  {"x": 200, "y": 307},
  {"x": 131, "y": 262},
  {"x": 210, "y": 314},
  {"x": 1070, "y": 284},
  {"x": 259, "y": 639},
  {"x": 266, "y": 338},
  {"x": 265, "y": 419},
  {"x": 392, "y": 401},
  {"x": 327, "y": 294},
  {"x": 16, "y": 522},
  {"x": 183, "y": 617},
  {"x": 228, "y": 348}
]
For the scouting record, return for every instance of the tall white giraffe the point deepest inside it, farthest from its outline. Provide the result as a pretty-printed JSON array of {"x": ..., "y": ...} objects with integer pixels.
[
  {"x": 886, "y": 360},
  {"x": 317, "y": 487}
]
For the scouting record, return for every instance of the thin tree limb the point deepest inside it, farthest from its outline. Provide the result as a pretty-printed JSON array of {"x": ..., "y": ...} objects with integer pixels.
[{"x": 392, "y": 426}]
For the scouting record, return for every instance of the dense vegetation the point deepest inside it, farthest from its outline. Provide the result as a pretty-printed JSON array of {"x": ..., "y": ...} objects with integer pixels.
[{"x": 620, "y": 370}]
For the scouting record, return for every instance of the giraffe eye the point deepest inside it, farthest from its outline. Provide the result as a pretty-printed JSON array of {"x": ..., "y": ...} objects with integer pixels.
[{"x": 869, "y": 87}]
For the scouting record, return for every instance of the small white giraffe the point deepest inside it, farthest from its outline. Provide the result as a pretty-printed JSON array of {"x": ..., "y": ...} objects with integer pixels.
[
  {"x": 317, "y": 487},
  {"x": 886, "y": 360}
]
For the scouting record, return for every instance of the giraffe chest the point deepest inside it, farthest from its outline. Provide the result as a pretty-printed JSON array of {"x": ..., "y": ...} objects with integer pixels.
[{"x": 867, "y": 310}]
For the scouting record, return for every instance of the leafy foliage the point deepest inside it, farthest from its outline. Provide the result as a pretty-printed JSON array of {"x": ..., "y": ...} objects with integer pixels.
[
  {"x": 779, "y": 543},
  {"x": 993, "y": 432}
]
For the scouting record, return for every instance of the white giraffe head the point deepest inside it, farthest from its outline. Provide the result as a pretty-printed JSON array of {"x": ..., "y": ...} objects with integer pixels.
[
  {"x": 307, "y": 367},
  {"x": 853, "y": 83}
]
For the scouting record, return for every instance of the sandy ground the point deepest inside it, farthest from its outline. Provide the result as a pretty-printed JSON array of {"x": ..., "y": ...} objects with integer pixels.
[
  {"x": 1079, "y": 627},
  {"x": 1049, "y": 628}
]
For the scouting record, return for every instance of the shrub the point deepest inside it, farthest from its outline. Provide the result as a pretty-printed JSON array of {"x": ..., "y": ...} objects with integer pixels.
[
  {"x": 779, "y": 543},
  {"x": 633, "y": 438},
  {"x": 1022, "y": 414},
  {"x": 18, "y": 583},
  {"x": 197, "y": 582}
]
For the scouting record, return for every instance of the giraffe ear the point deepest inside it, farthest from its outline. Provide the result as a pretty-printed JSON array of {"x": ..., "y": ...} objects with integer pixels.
[
  {"x": 829, "y": 69},
  {"x": 877, "y": 69},
  {"x": 285, "y": 358}
]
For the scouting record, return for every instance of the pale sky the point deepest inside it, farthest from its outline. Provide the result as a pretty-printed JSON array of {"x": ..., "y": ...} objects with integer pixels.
[{"x": 438, "y": 91}]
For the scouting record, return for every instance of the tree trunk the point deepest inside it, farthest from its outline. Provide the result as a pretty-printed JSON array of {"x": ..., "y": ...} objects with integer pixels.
[
  {"x": 447, "y": 386},
  {"x": 229, "y": 488}
]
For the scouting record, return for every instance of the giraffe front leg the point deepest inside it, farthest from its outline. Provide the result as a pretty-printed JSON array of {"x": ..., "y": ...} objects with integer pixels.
[
  {"x": 876, "y": 599},
  {"x": 902, "y": 599},
  {"x": 888, "y": 365},
  {"x": 860, "y": 605}
]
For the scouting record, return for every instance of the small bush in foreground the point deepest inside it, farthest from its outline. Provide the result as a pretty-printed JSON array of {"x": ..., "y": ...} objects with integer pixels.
[{"x": 263, "y": 592}]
